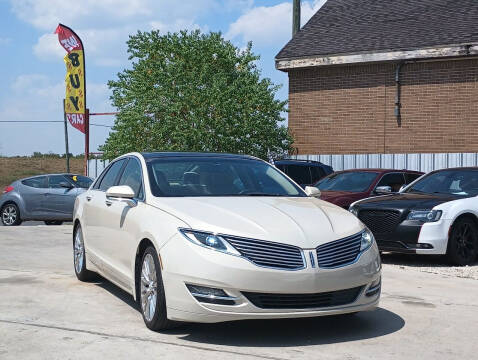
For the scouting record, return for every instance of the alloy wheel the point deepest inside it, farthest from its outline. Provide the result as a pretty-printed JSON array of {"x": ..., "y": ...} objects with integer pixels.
[
  {"x": 464, "y": 241},
  {"x": 149, "y": 287},
  {"x": 9, "y": 215},
  {"x": 78, "y": 251}
]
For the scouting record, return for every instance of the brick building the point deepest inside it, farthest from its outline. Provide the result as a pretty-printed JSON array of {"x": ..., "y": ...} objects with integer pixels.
[{"x": 385, "y": 77}]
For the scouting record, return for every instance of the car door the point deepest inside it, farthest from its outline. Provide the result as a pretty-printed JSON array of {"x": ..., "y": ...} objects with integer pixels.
[
  {"x": 33, "y": 192},
  {"x": 120, "y": 224},
  {"x": 395, "y": 180},
  {"x": 59, "y": 201},
  {"x": 96, "y": 213}
]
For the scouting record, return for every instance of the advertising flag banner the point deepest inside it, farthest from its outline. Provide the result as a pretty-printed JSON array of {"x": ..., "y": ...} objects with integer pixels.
[{"x": 75, "y": 99}]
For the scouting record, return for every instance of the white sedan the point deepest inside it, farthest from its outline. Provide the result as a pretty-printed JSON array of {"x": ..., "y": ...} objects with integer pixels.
[{"x": 217, "y": 237}]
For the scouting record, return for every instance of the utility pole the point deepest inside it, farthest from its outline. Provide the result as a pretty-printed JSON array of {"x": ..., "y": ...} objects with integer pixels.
[
  {"x": 295, "y": 17},
  {"x": 66, "y": 140}
]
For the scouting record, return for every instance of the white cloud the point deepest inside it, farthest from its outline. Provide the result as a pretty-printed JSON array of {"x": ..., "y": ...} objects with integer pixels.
[
  {"x": 270, "y": 25},
  {"x": 47, "y": 47},
  {"x": 5, "y": 40}
]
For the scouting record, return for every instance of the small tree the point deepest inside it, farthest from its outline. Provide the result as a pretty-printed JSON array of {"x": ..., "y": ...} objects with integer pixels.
[{"x": 189, "y": 91}]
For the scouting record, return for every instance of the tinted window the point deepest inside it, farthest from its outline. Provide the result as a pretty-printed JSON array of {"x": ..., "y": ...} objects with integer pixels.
[
  {"x": 394, "y": 180},
  {"x": 208, "y": 176},
  {"x": 37, "y": 182},
  {"x": 317, "y": 173},
  {"x": 409, "y": 177},
  {"x": 132, "y": 177},
  {"x": 54, "y": 181},
  {"x": 111, "y": 175},
  {"x": 456, "y": 182},
  {"x": 356, "y": 181},
  {"x": 300, "y": 174},
  {"x": 81, "y": 181}
]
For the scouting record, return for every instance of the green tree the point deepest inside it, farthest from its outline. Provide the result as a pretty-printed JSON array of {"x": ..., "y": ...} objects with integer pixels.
[{"x": 189, "y": 91}]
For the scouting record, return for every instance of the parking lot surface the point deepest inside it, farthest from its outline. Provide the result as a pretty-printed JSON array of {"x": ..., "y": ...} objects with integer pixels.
[{"x": 45, "y": 313}]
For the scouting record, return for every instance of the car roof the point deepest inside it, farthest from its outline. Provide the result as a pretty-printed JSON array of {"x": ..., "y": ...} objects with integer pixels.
[
  {"x": 299, "y": 162},
  {"x": 382, "y": 171},
  {"x": 155, "y": 155},
  {"x": 40, "y": 175}
]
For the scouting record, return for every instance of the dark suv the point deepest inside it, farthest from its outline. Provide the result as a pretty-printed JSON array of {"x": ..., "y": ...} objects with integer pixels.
[{"x": 304, "y": 172}]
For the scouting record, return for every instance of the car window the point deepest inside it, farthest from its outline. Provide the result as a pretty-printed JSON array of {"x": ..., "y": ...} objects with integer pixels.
[
  {"x": 411, "y": 177},
  {"x": 462, "y": 182},
  {"x": 300, "y": 174},
  {"x": 36, "y": 182},
  {"x": 132, "y": 177},
  {"x": 109, "y": 178},
  {"x": 317, "y": 173},
  {"x": 210, "y": 176},
  {"x": 81, "y": 181},
  {"x": 54, "y": 181},
  {"x": 351, "y": 181},
  {"x": 394, "y": 180}
]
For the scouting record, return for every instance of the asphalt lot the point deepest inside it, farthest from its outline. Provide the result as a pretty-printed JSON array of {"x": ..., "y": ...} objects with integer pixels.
[{"x": 45, "y": 313}]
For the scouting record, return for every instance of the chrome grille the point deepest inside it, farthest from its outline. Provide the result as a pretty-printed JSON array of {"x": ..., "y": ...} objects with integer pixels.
[
  {"x": 382, "y": 223},
  {"x": 269, "y": 254},
  {"x": 339, "y": 252}
]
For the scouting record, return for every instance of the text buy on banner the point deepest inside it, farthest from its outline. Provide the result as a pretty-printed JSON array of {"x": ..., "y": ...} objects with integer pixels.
[{"x": 75, "y": 99}]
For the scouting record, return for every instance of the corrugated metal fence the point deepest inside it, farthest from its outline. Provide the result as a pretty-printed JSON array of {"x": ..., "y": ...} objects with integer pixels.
[{"x": 420, "y": 162}]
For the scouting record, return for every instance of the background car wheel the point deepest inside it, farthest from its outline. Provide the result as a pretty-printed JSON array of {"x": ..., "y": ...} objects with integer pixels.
[
  {"x": 463, "y": 242},
  {"x": 79, "y": 257},
  {"x": 11, "y": 215},
  {"x": 53, "y": 222},
  {"x": 151, "y": 296}
]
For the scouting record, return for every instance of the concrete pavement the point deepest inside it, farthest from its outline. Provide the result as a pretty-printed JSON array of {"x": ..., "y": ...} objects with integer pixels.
[{"x": 45, "y": 313}]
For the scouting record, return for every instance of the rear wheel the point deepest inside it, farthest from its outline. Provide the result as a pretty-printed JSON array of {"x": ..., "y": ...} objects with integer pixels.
[
  {"x": 53, "y": 222},
  {"x": 463, "y": 242},
  {"x": 79, "y": 257},
  {"x": 151, "y": 297},
  {"x": 11, "y": 215}
]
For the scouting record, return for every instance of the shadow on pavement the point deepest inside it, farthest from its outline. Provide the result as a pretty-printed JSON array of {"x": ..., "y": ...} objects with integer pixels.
[{"x": 417, "y": 260}]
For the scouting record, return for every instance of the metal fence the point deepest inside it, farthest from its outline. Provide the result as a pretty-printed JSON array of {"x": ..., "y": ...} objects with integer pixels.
[
  {"x": 96, "y": 166},
  {"x": 419, "y": 162}
]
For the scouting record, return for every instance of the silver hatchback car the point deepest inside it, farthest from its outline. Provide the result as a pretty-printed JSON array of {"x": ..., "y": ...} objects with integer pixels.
[{"x": 49, "y": 198}]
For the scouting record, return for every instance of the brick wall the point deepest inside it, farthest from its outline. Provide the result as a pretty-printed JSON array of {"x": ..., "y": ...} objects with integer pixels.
[{"x": 350, "y": 109}]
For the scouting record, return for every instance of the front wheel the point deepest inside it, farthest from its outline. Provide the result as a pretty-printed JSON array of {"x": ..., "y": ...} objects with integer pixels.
[
  {"x": 11, "y": 215},
  {"x": 152, "y": 299},
  {"x": 463, "y": 242},
  {"x": 79, "y": 257}
]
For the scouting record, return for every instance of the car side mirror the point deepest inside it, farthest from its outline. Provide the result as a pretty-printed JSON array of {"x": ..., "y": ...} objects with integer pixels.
[
  {"x": 66, "y": 185},
  {"x": 402, "y": 188},
  {"x": 312, "y": 191},
  {"x": 122, "y": 192},
  {"x": 383, "y": 190}
]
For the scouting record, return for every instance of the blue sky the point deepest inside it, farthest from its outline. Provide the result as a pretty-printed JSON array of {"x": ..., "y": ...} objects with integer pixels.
[{"x": 31, "y": 60}]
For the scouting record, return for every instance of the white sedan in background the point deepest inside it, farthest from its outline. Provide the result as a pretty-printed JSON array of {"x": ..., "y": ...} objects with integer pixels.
[{"x": 218, "y": 237}]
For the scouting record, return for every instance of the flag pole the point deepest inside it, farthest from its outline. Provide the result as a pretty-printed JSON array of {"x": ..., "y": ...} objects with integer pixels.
[
  {"x": 67, "y": 153},
  {"x": 87, "y": 139}
]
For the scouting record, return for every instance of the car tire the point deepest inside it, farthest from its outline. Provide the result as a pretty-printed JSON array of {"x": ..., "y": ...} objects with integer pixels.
[
  {"x": 79, "y": 257},
  {"x": 463, "y": 242},
  {"x": 151, "y": 299},
  {"x": 53, "y": 222},
  {"x": 10, "y": 215}
]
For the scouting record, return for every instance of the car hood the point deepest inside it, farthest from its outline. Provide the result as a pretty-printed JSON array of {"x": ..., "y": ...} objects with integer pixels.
[
  {"x": 342, "y": 198},
  {"x": 302, "y": 221},
  {"x": 405, "y": 201}
]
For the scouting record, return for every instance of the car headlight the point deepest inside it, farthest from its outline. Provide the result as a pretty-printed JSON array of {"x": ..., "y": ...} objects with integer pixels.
[
  {"x": 209, "y": 240},
  {"x": 367, "y": 240},
  {"x": 353, "y": 210},
  {"x": 425, "y": 215}
]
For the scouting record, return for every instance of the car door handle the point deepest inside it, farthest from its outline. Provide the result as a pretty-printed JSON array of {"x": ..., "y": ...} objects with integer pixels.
[
  {"x": 108, "y": 202},
  {"x": 88, "y": 198}
]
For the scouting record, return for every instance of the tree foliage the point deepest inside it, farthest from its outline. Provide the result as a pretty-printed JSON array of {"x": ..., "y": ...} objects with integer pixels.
[{"x": 189, "y": 91}]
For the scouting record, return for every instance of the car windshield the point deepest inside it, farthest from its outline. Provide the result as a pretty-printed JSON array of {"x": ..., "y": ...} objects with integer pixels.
[
  {"x": 452, "y": 182},
  {"x": 217, "y": 176},
  {"x": 80, "y": 181},
  {"x": 353, "y": 181}
]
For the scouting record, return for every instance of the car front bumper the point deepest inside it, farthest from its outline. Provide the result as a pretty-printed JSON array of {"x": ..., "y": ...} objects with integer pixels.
[{"x": 186, "y": 263}]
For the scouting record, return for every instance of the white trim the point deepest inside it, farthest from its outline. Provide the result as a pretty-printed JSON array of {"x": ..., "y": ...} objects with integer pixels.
[{"x": 437, "y": 52}]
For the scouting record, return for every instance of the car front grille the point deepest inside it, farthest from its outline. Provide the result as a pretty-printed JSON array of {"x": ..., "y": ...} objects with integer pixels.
[
  {"x": 339, "y": 252},
  {"x": 303, "y": 301},
  {"x": 382, "y": 223},
  {"x": 269, "y": 254}
]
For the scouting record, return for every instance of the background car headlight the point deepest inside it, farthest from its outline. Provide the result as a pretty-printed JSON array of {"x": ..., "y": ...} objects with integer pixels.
[
  {"x": 425, "y": 216},
  {"x": 211, "y": 241},
  {"x": 367, "y": 240}
]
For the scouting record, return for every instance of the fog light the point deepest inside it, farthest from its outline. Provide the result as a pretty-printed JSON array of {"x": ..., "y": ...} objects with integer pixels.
[
  {"x": 210, "y": 295},
  {"x": 374, "y": 287}
]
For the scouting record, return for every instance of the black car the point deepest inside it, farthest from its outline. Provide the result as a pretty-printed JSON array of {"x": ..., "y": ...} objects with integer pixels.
[
  {"x": 304, "y": 172},
  {"x": 436, "y": 214}
]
